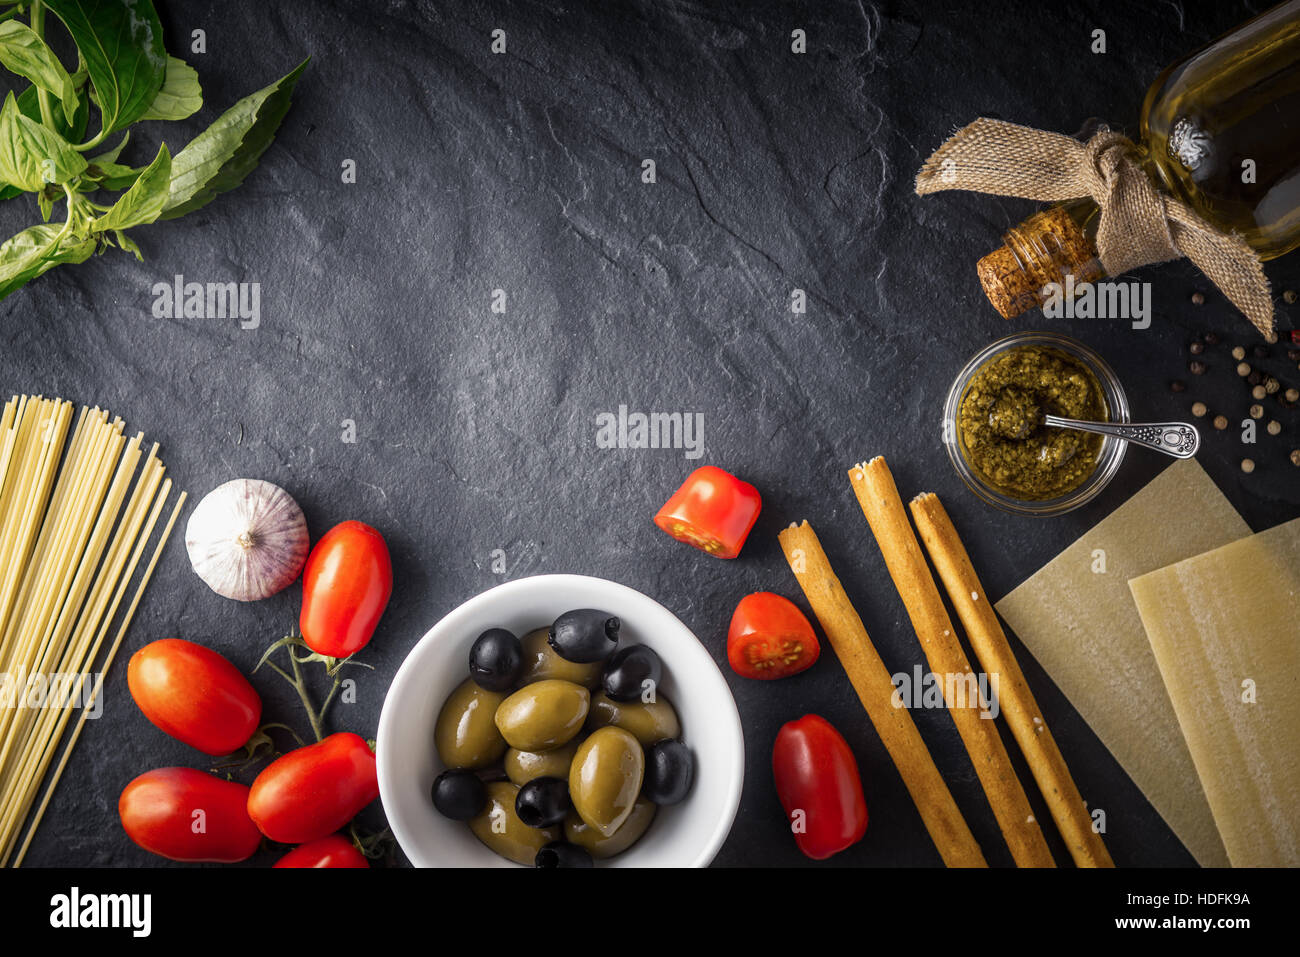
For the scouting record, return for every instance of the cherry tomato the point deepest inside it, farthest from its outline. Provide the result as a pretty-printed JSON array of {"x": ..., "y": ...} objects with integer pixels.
[
  {"x": 713, "y": 511},
  {"x": 311, "y": 792},
  {"x": 189, "y": 815},
  {"x": 818, "y": 783},
  {"x": 770, "y": 638},
  {"x": 194, "y": 694},
  {"x": 345, "y": 588},
  {"x": 333, "y": 851}
]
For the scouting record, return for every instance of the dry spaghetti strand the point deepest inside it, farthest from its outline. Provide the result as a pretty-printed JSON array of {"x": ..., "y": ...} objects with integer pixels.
[{"x": 78, "y": 508}]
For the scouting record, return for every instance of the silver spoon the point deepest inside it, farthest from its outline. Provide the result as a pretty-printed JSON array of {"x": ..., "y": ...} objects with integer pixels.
[{"x": 1179, "y": 439}]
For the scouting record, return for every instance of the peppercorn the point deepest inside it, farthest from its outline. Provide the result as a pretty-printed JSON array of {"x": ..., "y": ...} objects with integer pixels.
[
  {"x": 1197, "y": 367},
  {"x": 1293, "y": 355},
  {"x": 1271, "y": 384},
  {"x": 1255, "y": 377},
  {"x": 1198, "y": 299},
  {"x": 1258, "y": 392},
  {"x": 1238, "y": 352},
  {"x": 1247, "y": 465},
  {"x": 1211, "y": 338},
  {"x": 1295, "y": 457},
  {"x": 1243, "y": 369},
  {"x": 1220, "y": 422},
  {"x": 1257, "y": 411},
  {"x": 1289, "y": 296},
  {"x": 1196, "y": 348},
  {"x": 1274, "y": 427},
  {"x": 1178, "y": 385},
  {"x": 1199, "y": 409},
  {"x": 1261, "y": 352},
  {"x": 1293, "y": 395}
]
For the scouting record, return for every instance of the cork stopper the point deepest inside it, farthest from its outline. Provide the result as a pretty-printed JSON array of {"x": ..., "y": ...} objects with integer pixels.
[
  {"x": 1006, "y": 283},
  {"x": 1043, "y": 249}
]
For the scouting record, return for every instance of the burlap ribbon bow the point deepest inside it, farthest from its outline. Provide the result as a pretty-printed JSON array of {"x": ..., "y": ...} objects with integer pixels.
[{"x": 1138, "y": 224}]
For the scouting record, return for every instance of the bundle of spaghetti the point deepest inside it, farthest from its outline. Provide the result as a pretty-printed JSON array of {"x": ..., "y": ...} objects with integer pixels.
[{"x": 73, "y": 528}]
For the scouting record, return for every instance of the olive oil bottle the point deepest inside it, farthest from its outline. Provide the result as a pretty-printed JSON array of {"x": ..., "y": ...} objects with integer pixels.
[{"x": 1220, "y": 131}]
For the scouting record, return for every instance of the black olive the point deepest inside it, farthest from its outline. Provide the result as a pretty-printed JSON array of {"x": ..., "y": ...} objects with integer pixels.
[
  {"x": 496, "y": 659},
  {"x": 559, "y": 854},
  {"x": 459, "y": 794},
  {"x": 628, "y": 671},
  {"x": 584, "y": 635},
  {"x": 669, "y": 770},
  {"x": 543, "y": 802}
]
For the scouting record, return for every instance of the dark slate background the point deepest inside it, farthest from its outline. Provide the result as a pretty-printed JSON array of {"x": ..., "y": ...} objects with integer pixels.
[{"x": 476, "y": 430}]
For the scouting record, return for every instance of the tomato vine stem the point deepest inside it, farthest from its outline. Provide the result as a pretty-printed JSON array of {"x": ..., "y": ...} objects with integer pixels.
[{"x": 315, "y": 716}]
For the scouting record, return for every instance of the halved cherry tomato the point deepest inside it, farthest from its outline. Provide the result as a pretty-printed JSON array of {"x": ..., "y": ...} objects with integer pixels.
[
  {"x": 189, "y": 815},
  {"x": 819, "y": 786},
  {"x": 770, "y": 638},
  {"x": 311, "y": 792},
  {"x": 346, "y": 585},
  {"x": 194, "y": 694},
  {"x": 333, "y": 851},
  {"x": 713, "y": 511}
]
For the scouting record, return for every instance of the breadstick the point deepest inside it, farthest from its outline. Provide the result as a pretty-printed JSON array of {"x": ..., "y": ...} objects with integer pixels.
[
  {"x": 1016, "y": 700},
  {"x": 875, "y": 689},
  {"x": 878, "y": 496}
]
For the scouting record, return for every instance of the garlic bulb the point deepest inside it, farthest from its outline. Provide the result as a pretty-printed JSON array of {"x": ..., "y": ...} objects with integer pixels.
[{"x": 247, "y": 539}]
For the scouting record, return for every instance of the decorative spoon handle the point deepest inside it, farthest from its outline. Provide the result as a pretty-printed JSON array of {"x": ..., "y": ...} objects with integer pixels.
[{"x": 1179, "y": 439}]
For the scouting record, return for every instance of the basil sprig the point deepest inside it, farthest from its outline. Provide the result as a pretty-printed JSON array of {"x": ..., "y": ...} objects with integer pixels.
[{"x": 47, "y": 147}]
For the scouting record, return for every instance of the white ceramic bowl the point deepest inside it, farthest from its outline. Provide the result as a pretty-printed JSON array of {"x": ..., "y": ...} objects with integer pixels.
[{"x": 685, "y": 835}]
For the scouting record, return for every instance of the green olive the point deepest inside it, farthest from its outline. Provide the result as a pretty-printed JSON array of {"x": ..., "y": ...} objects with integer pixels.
[
  {"x": 523, "y": 766},
  {"x": 466, "y": 734},
  {"x": 543, "y": 715},
  {"x": 541, "y": 662},
  {"x": 577, "y": 831},
  {"x": 500, "y": 829},
  {"x": 605, "y": 778},
  {"x": 650, "y": 722}
]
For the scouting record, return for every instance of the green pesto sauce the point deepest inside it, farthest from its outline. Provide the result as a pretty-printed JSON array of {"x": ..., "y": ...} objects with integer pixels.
[{"x": 999, "y": 422}]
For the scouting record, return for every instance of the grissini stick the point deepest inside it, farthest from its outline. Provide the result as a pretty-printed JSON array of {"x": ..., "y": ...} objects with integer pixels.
[
  {"x": 875, "y": 689},
  {"x": 878, "y": 495},
  {"x": 1016, "y": 700}
]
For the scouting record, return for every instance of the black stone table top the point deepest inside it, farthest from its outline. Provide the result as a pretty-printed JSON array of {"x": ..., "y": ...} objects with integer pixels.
[{"x": 475, "y": 447}]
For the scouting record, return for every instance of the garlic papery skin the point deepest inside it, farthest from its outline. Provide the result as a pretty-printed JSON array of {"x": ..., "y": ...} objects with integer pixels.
[{"x": 247, "y": 539}]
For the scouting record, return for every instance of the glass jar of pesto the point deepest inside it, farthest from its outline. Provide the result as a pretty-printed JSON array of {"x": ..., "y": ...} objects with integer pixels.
[{"x": 992, "y": 423}]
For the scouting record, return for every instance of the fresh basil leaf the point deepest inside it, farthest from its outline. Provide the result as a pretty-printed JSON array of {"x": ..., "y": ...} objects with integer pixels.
[
  {"x": 121, "y": 44},
  {"x": 109, "y": 176},
  {"x": 180, "y": 96},
  {"x": 142, "y": 202},
  {"x": 32, "y": 155},
  {"x": 26, "y": 54},
  {"x": 127, "y": 244},
  {"x": 36, "y": 250},
  {"x": 13, "y": 157},
  {"x": 221, "y": 156},
  {"x": 74, "y": 132},
  {"x": 9, "y": 192}
]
